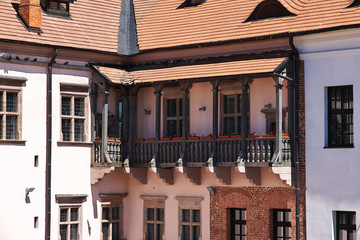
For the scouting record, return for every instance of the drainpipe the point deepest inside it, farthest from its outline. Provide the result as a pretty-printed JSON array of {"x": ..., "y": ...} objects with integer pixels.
[
  {"x": 296, "y": 134},
  {"x": 48, "y": 146}
]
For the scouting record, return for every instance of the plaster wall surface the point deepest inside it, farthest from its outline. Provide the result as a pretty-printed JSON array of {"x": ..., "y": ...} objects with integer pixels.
[{"x": 331, "y": 173}]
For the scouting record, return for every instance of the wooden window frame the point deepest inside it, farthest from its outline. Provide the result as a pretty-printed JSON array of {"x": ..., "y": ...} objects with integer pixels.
[
  {"x": 112, "y": 201},
  {"x": 189, "y": 203},
  {"x": 68, "y": 223},
  {"x": 348, "y": 226},
  {"x": 284, "y": 224},
  {"x": 172, "y": 93},
  {"x": 241, "y": 222},
  {"x": 46, "y": 6},
  {"x": 344, "y": 135},
  {"x": 75, "y": 92},
  {"x": 10, "y": 84},
  {"x": 155, "y": 202}
]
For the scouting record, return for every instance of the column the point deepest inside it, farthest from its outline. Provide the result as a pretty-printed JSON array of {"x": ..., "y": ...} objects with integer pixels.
[
  {"x": 215, "y": 127},
  {"x": 278, "y": 141},
  {"x": 244, "y": 115},
  {"x": 104, "y": 136}
]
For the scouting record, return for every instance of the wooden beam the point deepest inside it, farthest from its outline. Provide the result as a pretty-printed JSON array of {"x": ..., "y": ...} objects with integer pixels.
[
  {"x": 215, "y": 115},
  {"x": 244, "y": 116}
]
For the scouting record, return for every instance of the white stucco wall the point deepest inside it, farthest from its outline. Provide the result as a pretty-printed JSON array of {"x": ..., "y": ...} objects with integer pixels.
[{"x": 331, "y": 174}]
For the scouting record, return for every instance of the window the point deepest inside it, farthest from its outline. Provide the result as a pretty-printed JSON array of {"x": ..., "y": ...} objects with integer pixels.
[
  {"x": 58, "y": 7},
  {"x": 112, "y": 209},
  {"x": 269, "y": 9},
  {"x": 282, "y": 224},
  {"x": 154, "y": 223},
  {"x": 69, "y": 222},
  {"x": 173, "y": 117},
  {"x": 340, "y": 116},
  {"x": 238, "y": 224},
  {"x": 154, "y": 216},
  {"x": 189, "y": 218},
  {"x": 231, "y": 113},
  {"x": 9, "y": 114},
  {"x": 72, "y": 118},
  {"x": 345, "y": 225},
  {"x": 70, "y": 215}
]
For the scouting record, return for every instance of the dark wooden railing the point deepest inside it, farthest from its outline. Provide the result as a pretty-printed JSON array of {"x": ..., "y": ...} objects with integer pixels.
[{"x": 198, "y": 151}]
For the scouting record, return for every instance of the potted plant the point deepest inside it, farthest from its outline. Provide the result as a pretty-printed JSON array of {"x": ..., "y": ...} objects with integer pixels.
[
  {"x": 149, "y": 139},
  {"x": 233, "y": 135},
  {"x": 176, "y": 137},
  {"x": 138, "y": 139},
  {"x": 165, "y": 138},
  {"x": 272, "y": 134},
  {"x": 209, "y": 136},
  {"x": 193, "y": 136},
  {"x": 220, "y": 135}
]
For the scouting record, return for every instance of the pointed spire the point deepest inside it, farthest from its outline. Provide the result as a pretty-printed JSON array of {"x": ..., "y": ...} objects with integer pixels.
[{"x": 127, "y": 36}]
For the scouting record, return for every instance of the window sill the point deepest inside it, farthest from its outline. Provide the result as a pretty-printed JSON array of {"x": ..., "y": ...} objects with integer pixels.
[
  {"x": 338, "y": 147},
  {"x": 12, "y": 142},
  {"x": 75, "y": 144}
]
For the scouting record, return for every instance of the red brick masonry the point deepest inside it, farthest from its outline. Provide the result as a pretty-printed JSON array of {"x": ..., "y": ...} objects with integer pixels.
[{"x": 259, "y": 203}]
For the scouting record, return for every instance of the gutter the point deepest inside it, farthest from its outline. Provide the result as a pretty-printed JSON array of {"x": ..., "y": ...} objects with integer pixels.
[
  {"x": 48, "y": 146},
  {"x": 296, "y": 142}
]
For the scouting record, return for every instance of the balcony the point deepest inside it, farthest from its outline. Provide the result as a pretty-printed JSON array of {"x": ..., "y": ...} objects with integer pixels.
[{"x": 192, "y": 153}]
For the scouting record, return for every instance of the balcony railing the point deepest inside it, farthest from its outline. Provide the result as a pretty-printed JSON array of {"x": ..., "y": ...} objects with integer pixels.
[{"x": 197, "y": 152}]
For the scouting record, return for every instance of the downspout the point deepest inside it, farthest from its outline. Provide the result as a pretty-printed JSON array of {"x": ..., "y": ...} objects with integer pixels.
[
  {"x": 296, "y": 152},
  {"x": 48, "y": 146}
]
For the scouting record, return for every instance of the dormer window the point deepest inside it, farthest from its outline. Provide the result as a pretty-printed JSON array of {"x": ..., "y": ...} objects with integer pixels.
[
  {"x": 57, "y": 7},
  {"x": 191, "y": 3},
  {"x": 356, "y": 3},
  {"x": 269, "y": 9}
]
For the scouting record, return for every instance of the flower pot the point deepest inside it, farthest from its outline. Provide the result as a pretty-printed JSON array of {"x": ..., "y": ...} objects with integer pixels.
[
  {"x": 176, "y": 138},
  {"x": 165, "y": 139},
  {"x": 138, "y": 139},
  {"x": 254, "y": 136},
  {"x": 206, "y": 137},
  {"x": 192, "y": 138},
  {"x": 149, "y": 139},
  {"x": 235, "y": 136},
  {"x": 226, "y": 136},
  {"x": 268, "y": 136}
]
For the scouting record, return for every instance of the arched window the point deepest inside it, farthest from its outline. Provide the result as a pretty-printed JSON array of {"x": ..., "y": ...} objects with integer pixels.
[{"x": 269, "y": 9}]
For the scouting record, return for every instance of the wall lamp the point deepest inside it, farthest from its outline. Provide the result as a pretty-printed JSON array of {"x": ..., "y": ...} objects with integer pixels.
[
  {"x": 202, "y": 109},
  {"x": 29, "y": 190},
  {"x": 147, "y": 111},
  {"x": 211, "y": 190}
]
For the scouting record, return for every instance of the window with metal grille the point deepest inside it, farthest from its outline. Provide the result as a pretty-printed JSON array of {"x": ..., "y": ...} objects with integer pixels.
[
  {"x": 173, "y": 117},
  {"x": 282, "y": 224},
  {"x": 69, "y": 223},
  {"x": 238, "y": 224},
  {"x": 9, "y": 115},
  {"x": 154, "y": 223},
  {"x": 345, "y": 225},
  {"x": 73, "y": 118},
  {"x": 340, "y": 116}
]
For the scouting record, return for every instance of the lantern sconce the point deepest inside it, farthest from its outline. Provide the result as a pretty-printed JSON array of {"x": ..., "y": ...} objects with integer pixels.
[
  {"x": 147, "y": 111},
  {"x": 202, "y": 109}
]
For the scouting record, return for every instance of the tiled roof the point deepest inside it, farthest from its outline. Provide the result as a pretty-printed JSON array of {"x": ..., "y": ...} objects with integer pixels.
[
  {"x": 244, "y": 67},
  {"x": 94, "y": 24}
]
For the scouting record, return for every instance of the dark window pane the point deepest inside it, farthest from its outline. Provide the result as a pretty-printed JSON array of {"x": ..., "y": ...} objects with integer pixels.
[
  {"x": 159, "y": 231},
  {"x": 74, "y": 232},
  {"x": 150, "y": 232},
  {"x": 195, "y": 232},
  {"x": 229, "y": 125},
  {"x": 105, "y": 213},
  {"x": 79, "y": 107},
  {"x": 171, "y": 128},
  {"x": 105, "y": 231},
  {"x": 74, "y": 214},
  {"x": 11, "y": 124},
  {"x": 65, "y": 127},
  {"x": 63, "y": 232},
  {"x": 229, "y": 103},
  {"x": 180, "y": 107},
  {"x": 1, "y": 101},
  {"x": 239, "y": 103},
  {"x": 185, "y": 235},
  {"x": 115, "y": 231},
  {"x": 65, "y": 106},
  {"x": 160, "y": 214},
  {"x": 79, "y": 130},
  {"x": 196, "y": 216},
  {"x": 1, "y": 126},
  {"x": 120, "y": 129},
  {"x": 171, "y": 108},
  {"x": 115, "y": 213},
  {"x": 186, "y": 215},
  {"x": 150, "y": 214},
  {"x": 63, "y": 214},
  {"x": 11, "y": 102}
]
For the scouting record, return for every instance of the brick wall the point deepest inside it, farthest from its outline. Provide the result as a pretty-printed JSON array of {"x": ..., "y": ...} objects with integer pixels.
[
  {"x": 259, "y": 203},
  {"x": 30, "y": 12}
]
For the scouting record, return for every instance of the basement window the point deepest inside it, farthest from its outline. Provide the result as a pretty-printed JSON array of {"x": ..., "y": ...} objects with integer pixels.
[
  {"x": 57, "y": 7},
  {"x": 269, "y": 9}
]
